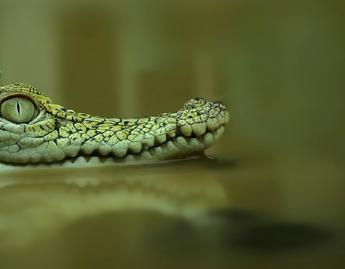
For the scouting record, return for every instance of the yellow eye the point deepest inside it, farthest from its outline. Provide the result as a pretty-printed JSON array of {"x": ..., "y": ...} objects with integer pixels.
[{"x": 18, "y": 110}]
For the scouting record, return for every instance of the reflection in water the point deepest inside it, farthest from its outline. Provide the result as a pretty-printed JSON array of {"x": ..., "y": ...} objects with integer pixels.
[
  {"x": 174, "y": 215},
  {"x": 34, "y": 203}
]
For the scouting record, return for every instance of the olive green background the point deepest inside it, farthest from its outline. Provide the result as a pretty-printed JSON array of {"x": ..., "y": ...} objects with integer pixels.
[{"x": 279, "y": 65}]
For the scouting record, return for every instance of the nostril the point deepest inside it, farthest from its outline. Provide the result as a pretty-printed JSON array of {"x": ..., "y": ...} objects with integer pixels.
[
  {"x": 221, "y": 105},
  {"x": 218, "y": 103}
]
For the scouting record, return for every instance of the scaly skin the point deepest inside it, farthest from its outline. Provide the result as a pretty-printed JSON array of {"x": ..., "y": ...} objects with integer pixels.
[{"x": 58, "y": 134}]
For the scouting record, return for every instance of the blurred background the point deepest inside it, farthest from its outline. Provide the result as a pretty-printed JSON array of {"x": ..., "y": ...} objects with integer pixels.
[{"x": 279, "y": 65}]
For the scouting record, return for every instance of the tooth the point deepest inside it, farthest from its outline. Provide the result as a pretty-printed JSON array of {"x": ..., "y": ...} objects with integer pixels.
[
  {"x": 120, "y": 148},
  {"x": 181, "y": 142},
  {"x": 171, "y": 133},
  {"x": 186, "y": 130},
  {"x": 194, "y": 144},
  {"x": 146, "y": 155},
  {"x": 130, "y": 158},
  {"x": 104, "y": 149},
  {"x": 148, "y": 141},
  {"x": 199, "y": 128},
  {"x": 208, "y": 140},
  {"x": 82, "y": 161},
  {"x": 171, "y": 148},
  {"x": 161, "y": 138},
  {"x": 219, "y": 132},
  {"x": 71, "y": 151},
  {"x": 212, "y": 124},
  {"x": 135, "y": 147},
  {"x": 88, "y": 147},
  {"x": 157, "y": 152}
]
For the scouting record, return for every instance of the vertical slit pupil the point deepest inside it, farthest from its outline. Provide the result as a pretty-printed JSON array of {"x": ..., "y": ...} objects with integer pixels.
[{"x": 18, "y": 108}]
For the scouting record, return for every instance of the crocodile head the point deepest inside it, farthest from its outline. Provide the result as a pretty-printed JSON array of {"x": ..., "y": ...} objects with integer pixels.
[{"x": 33, "y": 129}]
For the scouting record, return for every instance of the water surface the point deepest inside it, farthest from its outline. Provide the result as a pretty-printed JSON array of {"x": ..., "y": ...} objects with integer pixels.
[{"x": 201, "y": 213}]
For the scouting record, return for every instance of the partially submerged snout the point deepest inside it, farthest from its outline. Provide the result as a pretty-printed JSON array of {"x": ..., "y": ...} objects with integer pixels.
[{"x": 33, "y": 130}]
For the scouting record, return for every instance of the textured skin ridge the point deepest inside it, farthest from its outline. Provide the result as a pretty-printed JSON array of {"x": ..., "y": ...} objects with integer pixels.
[{"x": 57, "y": 133}]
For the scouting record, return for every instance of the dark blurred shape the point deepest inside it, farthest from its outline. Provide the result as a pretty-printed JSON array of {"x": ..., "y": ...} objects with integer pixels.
[
  {"x": 236, "y": 215},
  {"x": 282, "y": 237}
]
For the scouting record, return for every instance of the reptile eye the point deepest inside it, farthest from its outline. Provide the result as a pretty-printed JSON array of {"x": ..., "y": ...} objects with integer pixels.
[{"x": 18, "y": 110}]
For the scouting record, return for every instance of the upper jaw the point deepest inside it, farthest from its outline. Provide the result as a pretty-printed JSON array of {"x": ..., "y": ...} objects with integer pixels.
[{"x": 183, "y": 140}]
